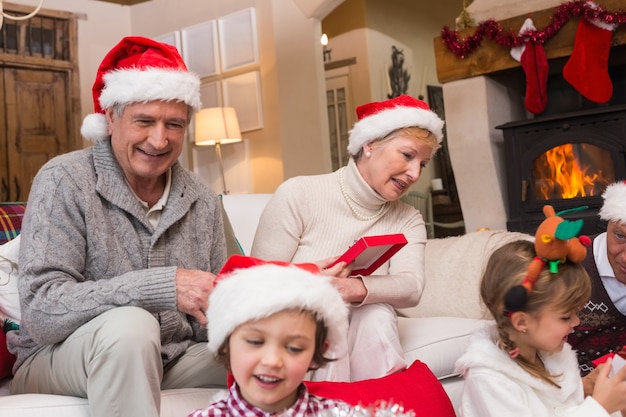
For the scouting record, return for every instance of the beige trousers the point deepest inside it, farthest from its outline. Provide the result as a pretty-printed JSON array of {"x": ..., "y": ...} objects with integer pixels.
[
  {"x": 115, "y": 361},
  {"x": 372, "y": 343}
]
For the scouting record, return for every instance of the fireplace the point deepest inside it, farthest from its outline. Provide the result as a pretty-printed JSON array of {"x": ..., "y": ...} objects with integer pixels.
[
  {"x": 480, "y": 92},
  {"x": 564, "y": 160}
]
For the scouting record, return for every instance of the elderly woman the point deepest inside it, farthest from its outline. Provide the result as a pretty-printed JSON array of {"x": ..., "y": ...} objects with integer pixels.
[{"x": 314, "y": 218}]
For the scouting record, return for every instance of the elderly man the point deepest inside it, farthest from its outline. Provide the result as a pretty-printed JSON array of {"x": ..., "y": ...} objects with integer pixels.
[
  {"x": 119, "y": 248},
  {"x": 602, "y": 326}
]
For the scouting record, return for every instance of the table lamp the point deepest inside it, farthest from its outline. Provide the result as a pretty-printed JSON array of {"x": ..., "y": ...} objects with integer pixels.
[{"x": 215, "y": 126}]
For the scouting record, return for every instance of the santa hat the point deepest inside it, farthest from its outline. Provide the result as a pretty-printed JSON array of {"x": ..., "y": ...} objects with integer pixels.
[
  {"x": 252, "y": 289},
  {"x": 138, "y": 70},
  {"x": 378, "y": 119},
  {"x": 614, "y": 207}
]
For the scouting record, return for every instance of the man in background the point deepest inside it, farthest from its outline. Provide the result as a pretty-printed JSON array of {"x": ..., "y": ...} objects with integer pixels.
[{"x": 602, "y": 326}]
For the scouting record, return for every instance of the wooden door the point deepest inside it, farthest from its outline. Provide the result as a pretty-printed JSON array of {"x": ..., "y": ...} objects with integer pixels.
[
  {"x": 39, "y": 95},
  {"x": 36, "y": 128}
]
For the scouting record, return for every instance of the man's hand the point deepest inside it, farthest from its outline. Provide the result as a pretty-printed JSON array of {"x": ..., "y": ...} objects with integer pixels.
[{"x": 192, "y": 292}]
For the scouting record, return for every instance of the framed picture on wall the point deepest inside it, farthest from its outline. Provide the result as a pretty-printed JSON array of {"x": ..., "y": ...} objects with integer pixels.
[
  {"x": 200, "y": 48},
  {"x": 211, "y": 95},
  {"x": 243, "y": 92},
  {"x": 238, "y": 39}
]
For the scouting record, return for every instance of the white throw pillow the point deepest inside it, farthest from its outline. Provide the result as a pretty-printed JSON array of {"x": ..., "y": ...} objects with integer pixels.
[
  {"x": 9, "y": 299},
  {"x": 454, "y": 268}
]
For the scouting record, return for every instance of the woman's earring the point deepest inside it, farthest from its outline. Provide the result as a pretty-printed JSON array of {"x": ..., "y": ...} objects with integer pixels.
[{"x": 368, "y": 154}]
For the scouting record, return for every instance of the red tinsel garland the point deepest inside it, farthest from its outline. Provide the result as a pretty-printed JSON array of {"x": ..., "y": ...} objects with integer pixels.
[{"x": 492, "y": 30}]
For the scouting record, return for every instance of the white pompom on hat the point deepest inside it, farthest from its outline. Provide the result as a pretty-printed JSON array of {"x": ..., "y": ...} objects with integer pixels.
[
  {"x": 378, "y": 119},
  {"x": 139, "y": 70},
  {"x": 251, "y": 289},
  {"x": 614, "y": 206}
]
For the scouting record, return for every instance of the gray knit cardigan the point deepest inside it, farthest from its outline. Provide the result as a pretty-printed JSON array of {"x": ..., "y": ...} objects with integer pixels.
[{"x": 87, "y": 247}]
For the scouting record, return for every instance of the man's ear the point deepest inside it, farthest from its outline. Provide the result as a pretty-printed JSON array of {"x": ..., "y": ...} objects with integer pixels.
[
  {"x": 519, "y": 321},
  {"x": 108, "y": 113}
]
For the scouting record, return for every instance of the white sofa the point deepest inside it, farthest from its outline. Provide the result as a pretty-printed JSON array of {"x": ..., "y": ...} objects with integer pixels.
[{"x": 435, "y": 332}]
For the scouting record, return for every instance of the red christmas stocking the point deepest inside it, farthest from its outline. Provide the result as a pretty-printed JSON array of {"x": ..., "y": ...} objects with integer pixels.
[
  {"x": 533, "y": 59},
  {"x": 587, "y": 68}
]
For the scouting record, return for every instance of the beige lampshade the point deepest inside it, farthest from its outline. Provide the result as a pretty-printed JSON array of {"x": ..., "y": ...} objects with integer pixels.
[{"x": 216, "y": 125}]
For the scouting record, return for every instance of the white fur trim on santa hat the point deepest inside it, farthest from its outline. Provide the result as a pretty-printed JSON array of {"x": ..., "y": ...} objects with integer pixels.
[
  {"x": 614, "y": 207},
  {"x": 261, "y": 291},
  {"x": 94, "y": 127},
  {"x": 143, "y": 85},
  {"x": 379, "y": 125}
]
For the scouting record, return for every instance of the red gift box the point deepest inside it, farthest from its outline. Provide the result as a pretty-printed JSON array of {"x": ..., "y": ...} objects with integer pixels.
[
  {"x": 370, "y": 252},
  {"x": 602, "y": 359}
]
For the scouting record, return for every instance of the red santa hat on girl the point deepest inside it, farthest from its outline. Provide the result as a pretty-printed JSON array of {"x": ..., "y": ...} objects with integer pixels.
[
  {"x": 614, "y": 206},
  {"x": 139, "y": 70},
  {"x": 378, "y": 119},
  {"x": 252, "y": 289}
]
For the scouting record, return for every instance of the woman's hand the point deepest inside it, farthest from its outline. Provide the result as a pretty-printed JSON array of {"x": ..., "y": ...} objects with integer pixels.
[
  {"x": 340, "y": 270},
  {"x": 352, "y": 289}
]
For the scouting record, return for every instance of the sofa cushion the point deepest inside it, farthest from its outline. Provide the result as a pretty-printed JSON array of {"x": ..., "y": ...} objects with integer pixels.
[
  {"x": 174, "y": 403},
  {"x": 436, "y": 341},
  {"x": 244, "y": 211},
  {"x": 11, "y": 215},
  {"x": 454, "y": 268},
  {"x": 9, "y": 299}
]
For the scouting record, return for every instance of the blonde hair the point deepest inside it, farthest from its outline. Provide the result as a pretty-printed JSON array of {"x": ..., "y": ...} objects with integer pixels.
[
  {"x": 566, "y": 290},
  {"x": 424, "y": 135}
]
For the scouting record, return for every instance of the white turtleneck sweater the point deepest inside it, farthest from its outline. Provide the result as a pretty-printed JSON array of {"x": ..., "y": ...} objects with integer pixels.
[{"x": 308, "y": 219}]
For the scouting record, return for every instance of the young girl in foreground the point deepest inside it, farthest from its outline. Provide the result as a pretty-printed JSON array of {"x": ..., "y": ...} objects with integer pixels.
[
  {"x": 521, "y": 365},
  {"x": 270, "y": 324}
]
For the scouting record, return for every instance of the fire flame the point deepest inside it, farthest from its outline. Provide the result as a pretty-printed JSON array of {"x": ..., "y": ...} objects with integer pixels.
[{"x": 558, "y": 174}]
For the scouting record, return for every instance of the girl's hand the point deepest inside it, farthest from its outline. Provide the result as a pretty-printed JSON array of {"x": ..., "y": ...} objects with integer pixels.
[
  {"x": 610, "y": 392},
  {"x": 589, "y": 381}
]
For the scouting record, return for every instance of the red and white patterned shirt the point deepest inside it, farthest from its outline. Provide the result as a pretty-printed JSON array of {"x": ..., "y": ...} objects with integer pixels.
[{"x": 307, "y": 405}]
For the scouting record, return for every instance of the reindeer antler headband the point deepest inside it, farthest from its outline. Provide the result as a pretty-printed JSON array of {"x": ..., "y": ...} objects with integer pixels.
[{"x": 555, "y": 241}]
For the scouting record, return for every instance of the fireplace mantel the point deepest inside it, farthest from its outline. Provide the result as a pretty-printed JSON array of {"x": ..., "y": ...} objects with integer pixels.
[{"x": 491, "y": 57}]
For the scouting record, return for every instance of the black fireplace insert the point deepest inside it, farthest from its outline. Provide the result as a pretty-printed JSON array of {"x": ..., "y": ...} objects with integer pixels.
[{"x": 564, "y": 160}]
